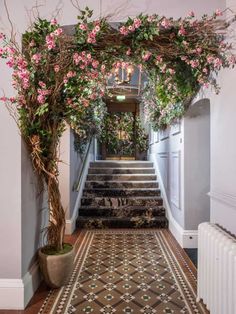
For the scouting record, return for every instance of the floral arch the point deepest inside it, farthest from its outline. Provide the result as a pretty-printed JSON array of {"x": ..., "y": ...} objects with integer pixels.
[{"x": 62, "y": 78}]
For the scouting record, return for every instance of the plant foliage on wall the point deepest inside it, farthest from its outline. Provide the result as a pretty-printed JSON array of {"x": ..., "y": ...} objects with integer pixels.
[
  {"x": 57, "y": 77},
  {"x": 122, "y": 134}
]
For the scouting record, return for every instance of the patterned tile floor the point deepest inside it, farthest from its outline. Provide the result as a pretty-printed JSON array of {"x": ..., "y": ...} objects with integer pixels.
[{"x": 125, "y": 271}]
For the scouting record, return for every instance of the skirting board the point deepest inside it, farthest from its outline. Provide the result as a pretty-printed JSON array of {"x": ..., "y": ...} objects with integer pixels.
[
  {"x": 16, "y": 293},
  {"x": 187, "y": 239}
]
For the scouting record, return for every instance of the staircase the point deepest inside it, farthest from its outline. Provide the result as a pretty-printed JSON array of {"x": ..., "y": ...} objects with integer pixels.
[{"x": 121, "y": 194}]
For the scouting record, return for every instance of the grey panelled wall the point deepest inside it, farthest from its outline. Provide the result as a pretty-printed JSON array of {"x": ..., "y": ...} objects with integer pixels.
[
  {"x": 183, "y": 156},
  {"x": 197, "y": 164}
]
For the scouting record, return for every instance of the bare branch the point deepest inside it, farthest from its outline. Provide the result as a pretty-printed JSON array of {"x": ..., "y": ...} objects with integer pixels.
[
  {"x": 75, "y": 4},
  {"x": 13, "y": 37}
]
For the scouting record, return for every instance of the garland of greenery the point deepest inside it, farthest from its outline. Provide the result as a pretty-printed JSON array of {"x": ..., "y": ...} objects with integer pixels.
[
  {"x": 123, "y": 121},
  {"x": 58, "y": 76}
]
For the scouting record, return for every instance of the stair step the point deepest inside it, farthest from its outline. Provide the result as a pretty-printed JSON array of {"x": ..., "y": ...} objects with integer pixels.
[
  {"x": 125, "y": 211},
  {"x": 121, "y": 164},
  {"x": 114, "y": 202},
  {"x": 121, "y": 192},
  {"x": 121, "y": 171},
  {"x": 126, "y": 222},
  {"x": 120, "y": 184},
  {"x": 121, "y": 177}
]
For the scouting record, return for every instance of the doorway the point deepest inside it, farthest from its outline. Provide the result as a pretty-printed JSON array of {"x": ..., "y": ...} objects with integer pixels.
[{"x": 118, "y": 140}]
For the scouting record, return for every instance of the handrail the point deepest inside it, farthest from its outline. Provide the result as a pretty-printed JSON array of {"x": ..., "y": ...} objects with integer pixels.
[{"x": 77, "y": 183}]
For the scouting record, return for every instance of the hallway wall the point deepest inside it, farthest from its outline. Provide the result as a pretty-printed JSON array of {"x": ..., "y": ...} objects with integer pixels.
[{"x": 16, "y": 204}]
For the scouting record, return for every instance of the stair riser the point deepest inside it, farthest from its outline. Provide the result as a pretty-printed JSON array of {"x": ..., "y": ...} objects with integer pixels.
[
  {"x": 121, "y": 212},
  {"x": 101, "y": 224},
  {"x": 116, "y": 202},
  {"x": 112, "y": 184},
  {"x": 121, "y": 165},
  {"x": 120, "y": 171},
  {"x": 94, "y": 177},
  {"x": 120, "y": 193}
]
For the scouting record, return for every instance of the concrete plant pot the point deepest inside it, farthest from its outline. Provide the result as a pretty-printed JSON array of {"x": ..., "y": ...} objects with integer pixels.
[{"x": 56, "y": 269}]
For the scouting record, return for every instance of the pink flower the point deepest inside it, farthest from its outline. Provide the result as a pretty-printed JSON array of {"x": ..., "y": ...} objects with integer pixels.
[
  {"x": 50, "y": 42},
  {"x": 137, "y": 23},
  {"x": 36, "y": 58},
  {"x": 210, "y": 59},
  {"x": 89, "y": 57},
  {"x": 199, "y": 50},
  {"x": 65, "y": 81},
  {"x": 218, "y": 12},
  {"x": 11, "y": 62},
  {"x": 231, "y": 59},
  {"x": 56, "y": 68},
  {"x": 217, "y": 63},
  {"x": 71, "y": 74},
  {"x": 83, "y": 27},
  {"x": 1, "y": 52},
  {"x": 53, "y": 22},
  {"x": 128, "y": 52},
  {"x": 41, "y": 99},
  {"x": 194, "y": 63},
  {"x": 182, "y": 31},
  {"x": 42, "y": 84},
  {"x": 165, "y": 23},
  {"x": 131, "y": 28},
  {"x": 205, "y": 70},
  {"x": 95, "y": 64},
  {"x": 191, "y": 14},
  {"x": 147, "y": 56},
  {"x": 123, "y": 30},
  {"x": 4, "y": 99},
  {"x": 97, "y": 28},
  {"x": 58, "y": 32},
  {"x": 158, "y": 59}
]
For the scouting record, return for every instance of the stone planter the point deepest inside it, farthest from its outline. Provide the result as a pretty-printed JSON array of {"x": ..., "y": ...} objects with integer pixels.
[{"x": 56, "y": 269}]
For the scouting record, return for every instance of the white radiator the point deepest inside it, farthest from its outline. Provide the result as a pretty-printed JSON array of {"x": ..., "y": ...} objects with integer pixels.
[{"x": 216, "y": 269}]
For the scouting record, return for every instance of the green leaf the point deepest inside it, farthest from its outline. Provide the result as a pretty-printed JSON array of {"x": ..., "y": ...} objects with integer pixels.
[{"x": 42, "y": 109}]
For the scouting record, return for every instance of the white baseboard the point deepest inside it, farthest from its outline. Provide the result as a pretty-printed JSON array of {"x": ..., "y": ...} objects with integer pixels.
[
  {"x": 70, "y": 225},
  {"x": 31, "y": 281},
  {"x": 15, "y": 294},
  {"x": 12, "y": 294},
  {"x": 185, "y": 238}
]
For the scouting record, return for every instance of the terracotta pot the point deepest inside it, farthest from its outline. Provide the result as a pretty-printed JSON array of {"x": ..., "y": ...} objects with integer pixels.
[{"x": 56, "y": 269}]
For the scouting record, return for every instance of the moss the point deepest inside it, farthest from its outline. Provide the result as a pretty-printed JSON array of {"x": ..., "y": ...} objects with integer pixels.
[{"x": 51, "y": 250}]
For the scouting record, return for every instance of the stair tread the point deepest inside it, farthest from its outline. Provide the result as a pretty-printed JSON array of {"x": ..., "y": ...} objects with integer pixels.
[
  {"x": 122, "y": 206},
  {"x": 118, "y": 218},
  {"x": 101, "y": 181},
  {"x": 128, "y": 196},
  {"x": 122, "y": 189}
]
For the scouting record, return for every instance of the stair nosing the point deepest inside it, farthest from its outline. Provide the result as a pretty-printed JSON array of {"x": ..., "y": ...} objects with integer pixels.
[{"x": 129, "y": 196}]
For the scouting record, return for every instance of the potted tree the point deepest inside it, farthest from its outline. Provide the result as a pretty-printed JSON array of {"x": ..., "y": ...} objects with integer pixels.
[{"x": 49, "y": 95}]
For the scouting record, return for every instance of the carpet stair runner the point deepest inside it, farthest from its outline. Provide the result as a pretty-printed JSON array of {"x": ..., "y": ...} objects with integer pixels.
[{"x": 121, "y": 194}]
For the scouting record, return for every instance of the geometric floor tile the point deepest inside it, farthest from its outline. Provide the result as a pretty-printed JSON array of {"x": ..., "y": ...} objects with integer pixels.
[{"x": 127, "y": 271}]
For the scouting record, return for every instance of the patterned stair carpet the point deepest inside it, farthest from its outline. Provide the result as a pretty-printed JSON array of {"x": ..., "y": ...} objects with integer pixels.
[{"x": 127, "y": 271}]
